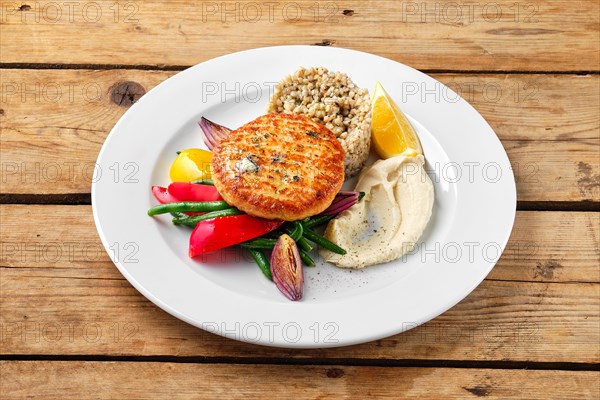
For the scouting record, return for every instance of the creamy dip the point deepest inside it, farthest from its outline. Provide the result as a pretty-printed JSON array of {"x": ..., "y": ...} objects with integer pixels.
[{"x": 389, "y": 220}]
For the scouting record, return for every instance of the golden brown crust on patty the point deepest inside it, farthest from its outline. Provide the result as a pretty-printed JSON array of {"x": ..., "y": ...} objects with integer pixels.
[{"x": 279, "y": 166}]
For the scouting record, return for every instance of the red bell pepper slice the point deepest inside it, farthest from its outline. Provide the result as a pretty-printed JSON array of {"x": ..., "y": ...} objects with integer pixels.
[
  {"x": 218, "y": 233},
  {"x": 183, "y": 191},
  {"x": 162, "y": 195}
]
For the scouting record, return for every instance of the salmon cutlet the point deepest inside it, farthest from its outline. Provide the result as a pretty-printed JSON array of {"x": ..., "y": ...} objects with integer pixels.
[{"x": 279, "y": 166}]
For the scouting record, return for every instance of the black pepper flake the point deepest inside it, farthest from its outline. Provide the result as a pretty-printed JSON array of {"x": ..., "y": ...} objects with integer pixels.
[{"x": 313, "y": 134}]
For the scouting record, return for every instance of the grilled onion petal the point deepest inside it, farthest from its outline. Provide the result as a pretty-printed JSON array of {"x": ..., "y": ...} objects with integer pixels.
[{"x": 212, "y": 133}]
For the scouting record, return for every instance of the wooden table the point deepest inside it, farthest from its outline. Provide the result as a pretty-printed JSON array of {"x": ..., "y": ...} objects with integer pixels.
[{"x": 73, "y": 327}]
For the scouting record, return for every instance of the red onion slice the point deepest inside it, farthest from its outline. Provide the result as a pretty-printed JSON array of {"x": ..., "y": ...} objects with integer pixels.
[
  {"x": 286, "y": 268},
  {"x": 341, "y": 202},
  {"x": 212, "y": 133}
]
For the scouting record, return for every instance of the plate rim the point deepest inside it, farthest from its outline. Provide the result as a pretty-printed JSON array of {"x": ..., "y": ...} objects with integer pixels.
[{"x": 173, "y": 311}]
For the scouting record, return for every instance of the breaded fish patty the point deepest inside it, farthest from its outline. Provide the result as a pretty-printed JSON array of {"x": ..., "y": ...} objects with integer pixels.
[{"x": 279, "y": 166}]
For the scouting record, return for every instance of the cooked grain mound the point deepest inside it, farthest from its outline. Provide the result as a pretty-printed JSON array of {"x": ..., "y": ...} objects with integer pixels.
[
  {"x": 331, "y": 99},
  {"x": 279, "y": 166}
]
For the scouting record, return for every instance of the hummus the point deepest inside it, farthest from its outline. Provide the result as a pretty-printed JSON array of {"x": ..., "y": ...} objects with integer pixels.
[{"x": 389, "y": 220}]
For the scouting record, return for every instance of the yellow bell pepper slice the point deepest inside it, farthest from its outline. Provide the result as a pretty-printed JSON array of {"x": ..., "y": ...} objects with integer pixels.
[{"x": 190, "y": 165}]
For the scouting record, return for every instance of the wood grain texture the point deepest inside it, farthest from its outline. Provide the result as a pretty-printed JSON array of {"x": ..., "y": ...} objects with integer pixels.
[
  {"x": 62, "y": 298},
  {"x": 55, "y": 121},
  {"x": 501, "y": 35},
  {"x": 61, "y": 295},
  {"x": 544, "y": 246},
  {"x": 142, "y": 380},
  {"x": 552, "y": 247}
]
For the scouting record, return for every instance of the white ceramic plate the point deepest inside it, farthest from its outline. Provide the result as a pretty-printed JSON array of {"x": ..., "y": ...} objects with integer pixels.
[{"x": 225, "y": 292}]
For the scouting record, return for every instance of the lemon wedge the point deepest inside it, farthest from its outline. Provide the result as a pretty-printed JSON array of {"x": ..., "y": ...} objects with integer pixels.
[{"x": 391, "y": 132}]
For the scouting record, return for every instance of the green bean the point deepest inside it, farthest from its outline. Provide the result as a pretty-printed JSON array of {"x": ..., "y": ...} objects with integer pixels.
[
  {"x": 321, "y": 241},
  {"x": 303, "y": 244},
  {"x": 295, "y": 232},
  {"x": 203, "y": 182},
  {"x": 306, "y": 258},
  {"x": 193, "y": 221},
  {"x": 259, "y": 243},
  {"x": 262, "y": 261},
  {"x": 273, "y": 234},
  {"x": 179, "y": 215},
  {"x": 188, "y": 206},
  {"x": 317, "y": 221}
]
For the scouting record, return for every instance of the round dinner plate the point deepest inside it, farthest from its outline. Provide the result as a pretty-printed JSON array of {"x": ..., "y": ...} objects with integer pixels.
[{"x": 224, "y": 292}]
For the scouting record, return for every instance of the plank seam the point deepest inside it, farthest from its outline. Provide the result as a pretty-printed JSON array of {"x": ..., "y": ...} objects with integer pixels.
[
  {"x": 585, "y": 205},
  {"x": 544, "y": 282},
  {"x": 78, "y": 199},
  {"x": 158, "y": 67},
  {"x": 364, "y": 362},
  {"x": 122, "y": 279}
]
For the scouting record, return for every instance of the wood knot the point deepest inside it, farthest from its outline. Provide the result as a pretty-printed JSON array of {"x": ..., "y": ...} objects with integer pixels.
[
  {"x": 348, "y": 13},
  {"x": 325, "y": 42},
  {"x": 479, "y": 390},
  {"x": 126, "y": 93},
  {"x": 25, "y": 7},
  {"x": 335, "y": 373}
]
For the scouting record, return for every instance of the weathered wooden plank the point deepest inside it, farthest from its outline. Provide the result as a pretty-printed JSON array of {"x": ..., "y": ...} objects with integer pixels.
[
  {"x": 54, "y": 124},
  {"x": 61, "y": 295},
  {"x": 519, "y": 107},
  {"x": 544, "y": 246},
  {"x": 55, "y": 121},
  {"x": 499, "y": 321},
  {"x": 140, "y": 380},
  {"x": 552, "y": 247},
  {"x": 555, "y": 171},
  {"x": 503, "y": 35}
]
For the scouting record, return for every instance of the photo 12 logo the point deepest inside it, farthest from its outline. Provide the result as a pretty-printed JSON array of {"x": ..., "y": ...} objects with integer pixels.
[
  {"x": 56, "y": 251},
  {"x": 474, "y": 172},
  {"x": 270, "y": 11},
  {"x": 272, "y": 332},
  {"x": 478, "y": 92},
  {"x": 32, "y": 332},
  {"x": 24, "y": 172},
  {"x": 519, "y": 333},
  {"x": 238, "y": 92},
  {"x": 50, "y": 92},
  {"x": 462, "y": 13},
  {"x": 453, "y": 252},
  {"x": 53, "y": 12}
]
